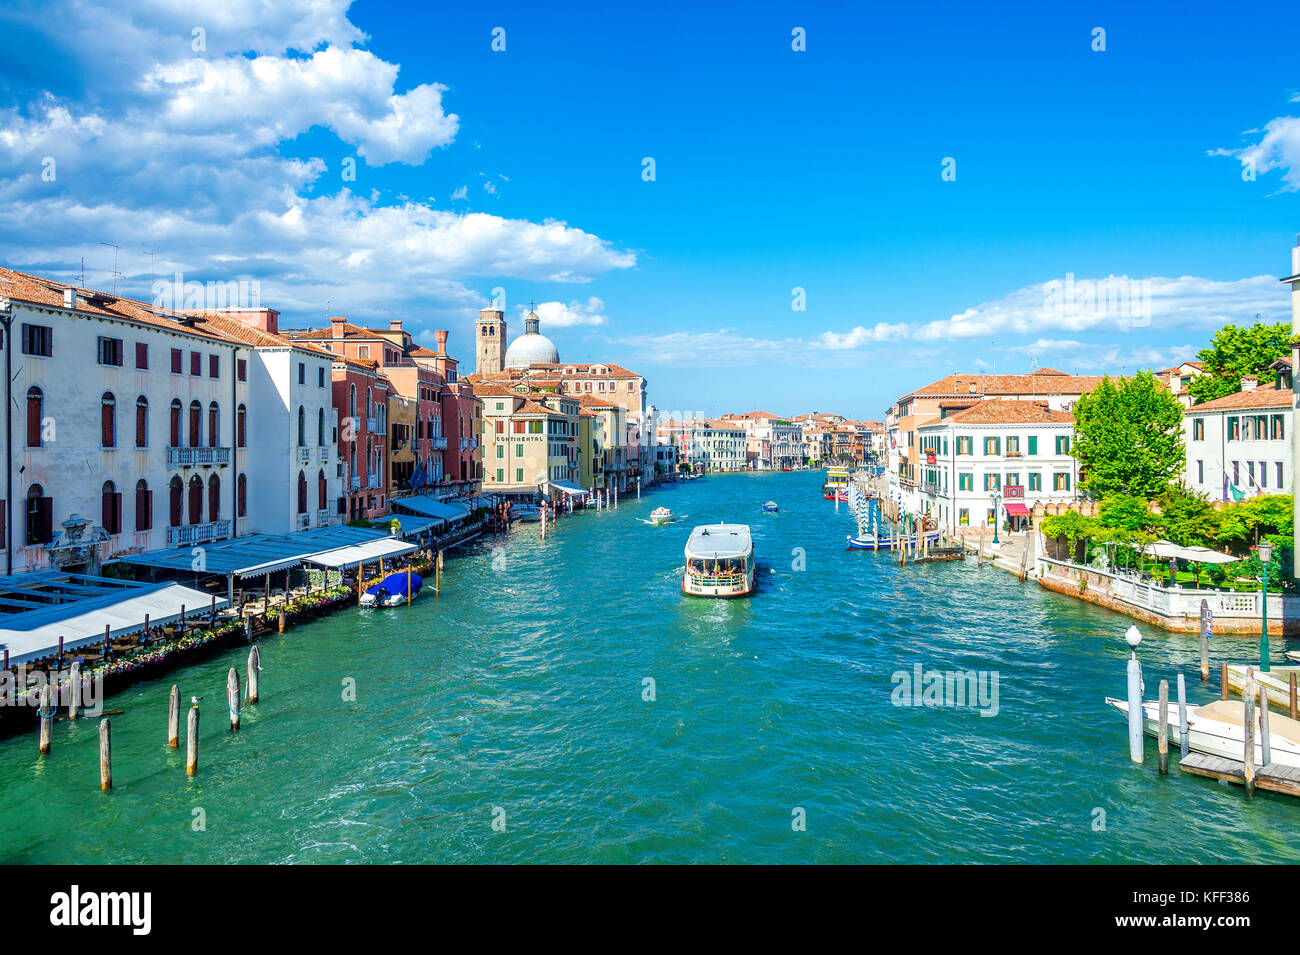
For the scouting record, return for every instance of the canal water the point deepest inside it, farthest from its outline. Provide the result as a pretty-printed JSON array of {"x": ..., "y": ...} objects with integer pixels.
[{"x": 512, "y": 719}]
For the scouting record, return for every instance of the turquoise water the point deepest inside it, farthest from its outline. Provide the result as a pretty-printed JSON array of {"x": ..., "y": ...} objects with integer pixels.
[{"x": 517, "y": 695}]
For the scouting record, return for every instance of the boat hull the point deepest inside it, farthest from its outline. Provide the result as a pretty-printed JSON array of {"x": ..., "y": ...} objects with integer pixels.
[
  {"x": 1211, "y": 736},
  {"x": 886, "y": 543}
]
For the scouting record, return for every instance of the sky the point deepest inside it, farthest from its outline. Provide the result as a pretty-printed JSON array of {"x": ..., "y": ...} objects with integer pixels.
[{"x": 784, "y": 206}]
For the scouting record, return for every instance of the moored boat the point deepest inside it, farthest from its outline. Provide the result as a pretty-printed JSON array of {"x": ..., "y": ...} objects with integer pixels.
[
  {"x": 837, "y": 482},
  {"x": 527, "y": 513},
  {"x": 1219, "y": 729},
  {"x": 719, "y": 561},
  {"x": 873, "y": 542},
  {"x": 392, "y": 590}
]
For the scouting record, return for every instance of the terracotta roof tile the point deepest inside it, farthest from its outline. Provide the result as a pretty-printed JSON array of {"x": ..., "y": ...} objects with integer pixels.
[{"x": 1262, "y": 397}]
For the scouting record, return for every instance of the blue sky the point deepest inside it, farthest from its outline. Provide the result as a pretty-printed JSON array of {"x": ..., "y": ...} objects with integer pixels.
[{"x": 775, "y": 170}]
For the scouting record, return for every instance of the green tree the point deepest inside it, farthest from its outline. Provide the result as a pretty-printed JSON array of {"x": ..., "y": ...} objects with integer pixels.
[
  {"x": 1243, "y": 523},
  {"x": 1234, "y": 352},
  {"x": 1126, "y": 512},
  {"x": 1128, "y": 438},
  {"x": 1187, "y": 518}
]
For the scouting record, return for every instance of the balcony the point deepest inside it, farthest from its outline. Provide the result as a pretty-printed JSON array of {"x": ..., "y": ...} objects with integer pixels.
[
  {"x": 373, "y": 425},
  {"x": 1013, "y": 454},
  {"x": 197, "y": 457},
  {"x": 323, "y": 517},
  {"x": 439, "y": 443},
  {"x": 197, "y": 533},
  {"x": 303, "y": 521},
  {"x": 304, "y": 455},
  {"x": 356, "y": 482},
  {"x": 463, "y": 444}
]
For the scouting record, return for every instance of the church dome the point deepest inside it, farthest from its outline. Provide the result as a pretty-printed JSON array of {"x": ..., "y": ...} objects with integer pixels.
[{"x": 532, "y": 347}]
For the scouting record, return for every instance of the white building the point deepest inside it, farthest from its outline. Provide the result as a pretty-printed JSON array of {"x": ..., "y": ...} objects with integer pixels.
[
  {"x": 1240, "y": 445},
  {"x": 136, "y": 428},
  {"x": 1013, "y": 449}
]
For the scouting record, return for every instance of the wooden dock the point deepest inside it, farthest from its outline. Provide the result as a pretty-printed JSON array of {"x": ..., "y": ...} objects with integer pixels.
[{"x": 1273, "y": 777}]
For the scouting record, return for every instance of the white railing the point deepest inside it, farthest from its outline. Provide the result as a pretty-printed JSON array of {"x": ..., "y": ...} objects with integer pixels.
[
  {"x": 356, "y": 482},
  {"x": 1170, "y": 601},
  {"x": 197, "y": 457},
  {"x": 304, "y": 521},
  {"x": 197, "y": 533},
  {"x": 439, "y": 443},
  {"x": 373, "y": 423},
  {"x": 304, "y": 455},
  {"x": 322, "y": 516}
]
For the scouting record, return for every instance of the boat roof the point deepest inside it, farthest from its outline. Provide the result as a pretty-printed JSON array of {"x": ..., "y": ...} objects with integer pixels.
[{"x": 719, "y": 540}]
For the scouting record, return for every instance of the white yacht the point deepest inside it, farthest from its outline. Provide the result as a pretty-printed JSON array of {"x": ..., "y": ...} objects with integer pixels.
[{"x": 719, "y": 561}]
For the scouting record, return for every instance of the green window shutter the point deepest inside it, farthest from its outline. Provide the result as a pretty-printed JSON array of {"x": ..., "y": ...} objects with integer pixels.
[{"x": 1033, "y": 444}]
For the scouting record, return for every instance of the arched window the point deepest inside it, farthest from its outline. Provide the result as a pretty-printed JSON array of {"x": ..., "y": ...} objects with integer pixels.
[
  {"x": 142, "y": 422},
  {"x": 241, "y": 496},
  {"x": 214, "y": 425},
  {"x": 175, "y": 494},
  {"x": 320, "y": 427},
  {"x": 40, "y": 516},
  {"x": 174, "y": 435},
  {"x": 196, "y": 425},
  {"x": 321, "y": 490},
  {"x": 110, "y": 508},
  {"x": 241, "y": 424},
  {"x": 214, "y": 498},
  {"x": 35, "y": 411},
  {"x": 196, "y": 500},
  {"x": 107, "y": 420},
  {"x": 302, "y": 493},
  {"x": 143, "y": 506},
  {"x": 352, "y": 401},
  {"x": 302, "y": 427},
  {"x": 370, "y": 402}
]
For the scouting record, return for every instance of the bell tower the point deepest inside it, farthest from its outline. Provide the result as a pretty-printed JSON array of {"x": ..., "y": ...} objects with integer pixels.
[{"x": 491, "y": 352}]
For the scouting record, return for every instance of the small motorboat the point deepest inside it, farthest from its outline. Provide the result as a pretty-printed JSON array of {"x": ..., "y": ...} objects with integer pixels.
[
  {"x": 770, "y": 507},
  {"x": 1219, "y": 729},
  {"x": 661, "y": 515},
  {"x": 872, "y": 542},
  {"x": 527, "y": 513},
  {"x": 391, "y": 591}
]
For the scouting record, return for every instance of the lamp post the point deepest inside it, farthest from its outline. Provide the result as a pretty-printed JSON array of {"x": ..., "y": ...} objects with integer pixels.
[
  {"x": 997, "y": 503},
  {"x": 1265, "y": 555}
]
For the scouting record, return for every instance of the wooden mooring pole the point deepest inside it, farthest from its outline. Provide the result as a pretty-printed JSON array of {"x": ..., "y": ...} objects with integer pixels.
[
  {"x": 1223, "y": 681},
  {"x": 1265, "y": 738},
  {"x": 1182, "y": 717},
  {"x": 105, "y": 756},
  {"x": 232, "y": 698},
  {"x": 1162, "y": 732},
  {"x": 1291, "y": 696},
  {"x": 1248, "y": 720},
  {"x": 192, "y": 742},
  {"x": 174, "y": 717},
  {"x": 47, "y": 719},
  {"x": 74, "y": 703},
  {"x": 254, "y": 667},
  {"x": 1205, "y": 641}
]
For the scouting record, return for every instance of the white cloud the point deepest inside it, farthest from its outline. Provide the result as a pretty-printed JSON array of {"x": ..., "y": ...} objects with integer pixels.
[
  {"x": 1116, "y": 303},
  {"x": 860, "y": 336},
  {"x": 559, "y": 315},
  {"x": 179, "y": 151},
  {"x": 1278, "y": 148}
]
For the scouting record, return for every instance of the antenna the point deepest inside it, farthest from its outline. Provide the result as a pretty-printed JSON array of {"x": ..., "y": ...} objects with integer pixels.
[
  {"x": 83, "y": 272},
  {"x": 115, "y": 273}
]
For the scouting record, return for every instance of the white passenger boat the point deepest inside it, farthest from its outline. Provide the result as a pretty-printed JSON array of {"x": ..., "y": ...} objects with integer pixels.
[
  {"x": 1219, "y": 729},
  {"x": 526, "y": 512},
  {"x": 719, "y": 561},
  {"x": 661, "y": 515}
]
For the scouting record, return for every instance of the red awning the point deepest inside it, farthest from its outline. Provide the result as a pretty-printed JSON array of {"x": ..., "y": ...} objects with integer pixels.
[{"x": 1016, "y": 510}]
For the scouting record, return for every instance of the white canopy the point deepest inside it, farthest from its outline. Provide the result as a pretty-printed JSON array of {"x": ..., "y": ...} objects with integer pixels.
[
  {"x": 1164, "y": 550},
  {"x": 366, "y": 552},
  {"x": 81, "y": 624}
]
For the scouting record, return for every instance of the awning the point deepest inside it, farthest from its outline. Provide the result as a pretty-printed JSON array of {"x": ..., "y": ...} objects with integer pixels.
[
  {"x": 35, "y": 634},
  {"x": 1015, "y": 509},
  {"x": 255, "y": 555},
  {"x": 416, "y": 525},
  {"x": 571, "y": 489},
  {"x": 1164, "y": 550},
  {"x": 362, "y": 553},
  {"x": 428, "y": 507}
]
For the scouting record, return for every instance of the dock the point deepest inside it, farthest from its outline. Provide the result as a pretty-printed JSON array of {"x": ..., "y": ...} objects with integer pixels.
[{"x": 1273, "y": 777}]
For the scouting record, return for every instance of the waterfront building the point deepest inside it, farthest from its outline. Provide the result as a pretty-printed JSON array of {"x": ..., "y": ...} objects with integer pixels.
[
  {"x": 360, "y": 393},
  {"x": 1058, "y": 390},
  {"x": 142, "y": 428},
  {"x": 716, "y": 445},
  {"x": 411, "y": 372},
  {"x": 615, "y": 468},
  {"x": 1016, "y": 450},
  {"x": 772, "y": 442},
  {"x": 462, "y": 424},
  {"x": 530, "y": 438},
  {"x": 1239, "y": 445}
]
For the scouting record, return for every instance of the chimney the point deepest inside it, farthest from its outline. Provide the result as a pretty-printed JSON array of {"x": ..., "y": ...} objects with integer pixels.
[
  {"x": 441, "y": 338},
  {"x": 394, "y": 324},
  {"x": 69, "y": 297},
  {"x": 267, "y": 319},
  {"x": 1249, "y": 382},
  {"x": 336, "y": 326}
]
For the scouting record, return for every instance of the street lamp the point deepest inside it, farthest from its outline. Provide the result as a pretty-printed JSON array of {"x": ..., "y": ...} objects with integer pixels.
[
  {"x": 997, "y": 502},
  {"x": 1265, "y": 555}
]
